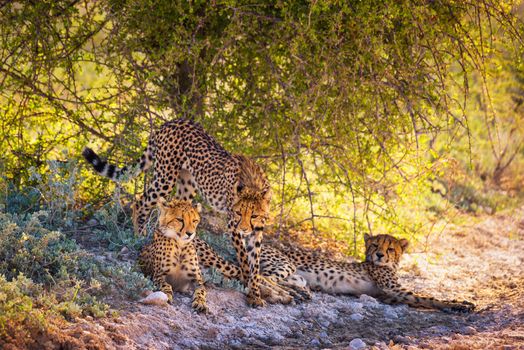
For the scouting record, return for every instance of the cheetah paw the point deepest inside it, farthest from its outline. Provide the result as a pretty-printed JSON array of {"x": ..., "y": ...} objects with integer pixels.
[
  {"x": 255, "y": 301},
  {"x": 461, "y": 306},
  {"x": 200, "y": 307}
]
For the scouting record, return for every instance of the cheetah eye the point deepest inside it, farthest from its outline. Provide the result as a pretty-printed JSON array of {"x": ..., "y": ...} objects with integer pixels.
[
  {"x": 391, "y": 250},
  {"x": 238, "y": 213},
  {"x": 195, "y": 221},
  {"x": 254, "y": 216},
  {"x": 180, "y": 220}
]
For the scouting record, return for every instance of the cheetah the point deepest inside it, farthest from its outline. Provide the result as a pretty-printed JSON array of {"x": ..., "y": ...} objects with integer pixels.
[
  {"x": 184, "y": 154},
  {"x": 171, "y": 259},
  {"x": 376, "y": 276}
]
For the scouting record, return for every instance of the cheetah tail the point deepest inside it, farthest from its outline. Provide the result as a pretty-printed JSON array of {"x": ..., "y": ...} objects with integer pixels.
[{"x": 112, "y": 171}]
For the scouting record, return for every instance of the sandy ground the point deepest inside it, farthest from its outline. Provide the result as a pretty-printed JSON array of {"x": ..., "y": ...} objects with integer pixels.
[{"x": 481, "y": 262}]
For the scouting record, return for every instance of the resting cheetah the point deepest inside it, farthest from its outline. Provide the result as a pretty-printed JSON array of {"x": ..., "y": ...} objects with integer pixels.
[
  {"x": 376, "y": 276},
  {"x": 171, "y": 258},
  {"x": 185, "y": 154}
]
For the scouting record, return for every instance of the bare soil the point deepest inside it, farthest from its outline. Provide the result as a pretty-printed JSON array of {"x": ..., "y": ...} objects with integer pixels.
[{"x": 482, "y": 262}]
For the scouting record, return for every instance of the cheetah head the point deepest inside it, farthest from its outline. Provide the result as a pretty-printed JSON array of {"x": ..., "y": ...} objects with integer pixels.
[
  {"x": 384, "y": 250},
  {"x": 251, "y": 211},
  {"x": 252, "y": 197},
  {"x": 178, "y": 219}
]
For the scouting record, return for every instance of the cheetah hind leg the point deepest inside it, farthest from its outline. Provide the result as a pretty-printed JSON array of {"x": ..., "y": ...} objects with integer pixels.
[
  {"x": 291, "y": 286},
  {"x": 273, "y": 293},
  {"x": 297, "y": 284}
]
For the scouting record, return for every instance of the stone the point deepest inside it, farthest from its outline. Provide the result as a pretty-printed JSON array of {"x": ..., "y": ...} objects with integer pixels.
[
  {"x": 156, "y": 298},
  {"x": 356, "y": 317},
  {"x": 468, "y": 330},
  {"x": 315, "y": 342},
  {"x": 357, "y": 344}
]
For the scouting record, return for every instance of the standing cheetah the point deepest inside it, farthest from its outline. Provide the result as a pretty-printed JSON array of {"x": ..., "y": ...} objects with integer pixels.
[
  {"x": 376, "y": 276},
  {"x": 184, "y": 154}
]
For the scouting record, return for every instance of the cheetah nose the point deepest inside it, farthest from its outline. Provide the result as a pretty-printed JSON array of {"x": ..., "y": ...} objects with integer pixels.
[
  {"x": 189, "y": 234},
  {"x": 380, "y": 255}
]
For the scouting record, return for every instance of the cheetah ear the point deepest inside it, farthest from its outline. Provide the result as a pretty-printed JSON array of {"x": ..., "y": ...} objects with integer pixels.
[
  {"x": 198, "y": 207},
  {"x": 404, "y": 243},
  {"x": 267, "y": 193},
  {"x": 366, "y": 237}
]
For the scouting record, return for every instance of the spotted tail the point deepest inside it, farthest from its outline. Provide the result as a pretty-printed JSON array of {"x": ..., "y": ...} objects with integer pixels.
[{"x": 115, "y": 173}]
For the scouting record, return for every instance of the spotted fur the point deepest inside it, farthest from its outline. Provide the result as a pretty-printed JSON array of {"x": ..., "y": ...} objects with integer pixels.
[
  {"x": 171, "y": 259},
  {"x": 376, "y": 276},
  {"x": 182, "y": 153}
]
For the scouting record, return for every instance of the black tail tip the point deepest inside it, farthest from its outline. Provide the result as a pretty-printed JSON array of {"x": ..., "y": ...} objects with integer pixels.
[{"x": 89, "y": 155}]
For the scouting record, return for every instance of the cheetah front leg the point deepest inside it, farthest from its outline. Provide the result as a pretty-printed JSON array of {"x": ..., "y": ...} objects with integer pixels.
[
  {"x": 159, "y": 278},
  {"x": 195, "y": 275},
  {"x": 249, "y": 265},
  {"x": 254, "y": 242}
]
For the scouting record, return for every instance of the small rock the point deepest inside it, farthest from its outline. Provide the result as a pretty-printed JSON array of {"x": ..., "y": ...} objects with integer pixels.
[
  {"x": 468, "y": 330},
  {"x": 400, "y": 339},
  {"x": 438, "y": 330},
  {"x": 357, "y": 344},
  {"x": 325, "y": 324},
  {"x": 92, "y": 222},
  {"x": 323, "y": 335},
  {"x": 389, "y": 312},
  {"x": 156, "y": 298},
  {"x": 315, "y": 342},
  {"x": 356, "y": 317}
]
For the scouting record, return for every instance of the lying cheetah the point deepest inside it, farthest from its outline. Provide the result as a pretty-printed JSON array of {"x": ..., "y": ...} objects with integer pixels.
[
  {"x": 376, "y": 276},
  {"x": 170, "y": 259},
  {"x": 183, "y": 153}
]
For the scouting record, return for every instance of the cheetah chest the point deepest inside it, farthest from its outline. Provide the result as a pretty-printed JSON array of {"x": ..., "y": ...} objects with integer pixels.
[{"x": 178, "y": 270}]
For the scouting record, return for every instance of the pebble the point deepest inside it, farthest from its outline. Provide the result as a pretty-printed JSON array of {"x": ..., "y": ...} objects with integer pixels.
[
  {"x": 357, "y": 344},
  {"x": 468, "y": 330},
  {"x": 400, "y": 339},
  {"x": 156, "y": 298},
  {"x": 323, "y": 335},
  {"x": 315, "y": 342},
  {"x": 389, "y": 312},
  {"x": 356, "y": 317},
  {"x": 438, "y": 330},
  {"x": 367, "y": 299}
]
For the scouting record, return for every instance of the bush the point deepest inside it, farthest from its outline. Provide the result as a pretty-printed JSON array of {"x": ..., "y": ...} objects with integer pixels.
[{"x": 70, "y": 278}]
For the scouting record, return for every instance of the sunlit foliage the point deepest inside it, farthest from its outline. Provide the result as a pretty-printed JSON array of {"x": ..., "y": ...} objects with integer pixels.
[{"x": 341, "y": 101}]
